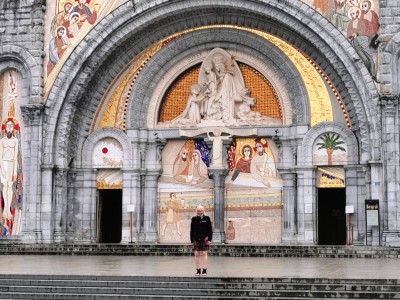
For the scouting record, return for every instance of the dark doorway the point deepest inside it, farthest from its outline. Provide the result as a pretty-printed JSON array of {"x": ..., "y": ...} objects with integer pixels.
[
  {"x": 331, "y": 216},
  {"x": 109, "y": 216}
]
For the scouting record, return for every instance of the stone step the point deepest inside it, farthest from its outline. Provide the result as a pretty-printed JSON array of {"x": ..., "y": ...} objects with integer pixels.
[
  {"x": 216, "y": 250},
  {"x": 135, "y": 297},
  {"x": 112, "y": 287},
  {"x": 212, "y": 284},
  {"x": 46, "y": 278},
  {"x": 175, "y": 295},
  {"x": 144, "y": 297}
]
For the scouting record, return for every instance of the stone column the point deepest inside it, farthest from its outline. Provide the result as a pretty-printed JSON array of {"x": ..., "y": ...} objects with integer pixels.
[
  {"x": 130, "y": 196},
  {"x": 71, "y": 199},
  {"x": 32, "y": 158},
  {"x": 59, "y": 215},
  {"x": 141, "y": 152},
  {"x": 289, "y": 206},
  {"x": 355, "y": 195},
  {"x": 150, "y": 151},
  {"x": 86, "y": 205},
  {"x": 306, "y": 206},
  {"x": 218, "y": 176},
  {"x": 45, "y": 207},
  {"x": 390, "y": 157},
  {"x": 134, "y": 183},
  {"x": 150, "y": 206}
]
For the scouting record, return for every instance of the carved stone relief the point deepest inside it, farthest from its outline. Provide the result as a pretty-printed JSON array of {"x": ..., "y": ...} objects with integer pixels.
[{"x": 220, "y": 97}]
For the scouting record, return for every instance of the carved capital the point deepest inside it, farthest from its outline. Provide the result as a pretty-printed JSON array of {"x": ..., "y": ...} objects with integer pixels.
[
  {"x": 60, "y": 176},
  {"x": 71, "y": 176},
  {"x": 218, "y": 175},
  {"x": 388, "y": 101},
  {"x": 289, "y": 177},
  {"x": 32, "y": 114}
]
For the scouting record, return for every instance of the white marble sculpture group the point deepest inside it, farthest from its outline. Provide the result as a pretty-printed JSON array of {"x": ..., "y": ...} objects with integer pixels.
[{"x": 220, "y": 97}]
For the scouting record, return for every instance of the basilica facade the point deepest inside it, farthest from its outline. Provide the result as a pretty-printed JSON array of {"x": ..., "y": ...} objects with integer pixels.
[{"x": 120, "y": 117}]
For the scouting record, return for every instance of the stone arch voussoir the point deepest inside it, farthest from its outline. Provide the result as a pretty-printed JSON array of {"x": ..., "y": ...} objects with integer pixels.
[{"x": 126, "y": 24}]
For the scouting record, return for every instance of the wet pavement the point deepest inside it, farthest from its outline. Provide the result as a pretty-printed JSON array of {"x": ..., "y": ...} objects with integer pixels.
[{"x": 183, "y": 266}]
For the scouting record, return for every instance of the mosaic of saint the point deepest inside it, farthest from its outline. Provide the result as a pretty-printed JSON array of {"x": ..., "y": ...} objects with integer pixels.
[
  {"x": 11, "y": 176},
  {"x": 183, "y": 185},
  {"x": 67, "y": 23},
  {"x": 70, "y": 19},
  {"x": 253, "y": 192},
  {"x": 359, "y": 21}
]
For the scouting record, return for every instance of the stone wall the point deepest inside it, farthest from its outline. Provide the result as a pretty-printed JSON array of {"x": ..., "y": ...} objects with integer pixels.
[
  {"x": 21, "y": 48},
  {"x": 22, "y": 37},
  {"x": 389, "y": 17}
]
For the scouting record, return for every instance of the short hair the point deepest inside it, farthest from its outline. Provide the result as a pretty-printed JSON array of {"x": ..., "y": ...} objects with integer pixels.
[{"x": 199, "y": 207}]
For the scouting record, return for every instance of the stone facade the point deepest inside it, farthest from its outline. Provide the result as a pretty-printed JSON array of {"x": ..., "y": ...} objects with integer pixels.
[{"x": 60, "y": 178}]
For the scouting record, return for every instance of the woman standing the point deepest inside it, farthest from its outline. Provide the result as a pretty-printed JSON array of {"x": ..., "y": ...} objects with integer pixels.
[{"x": 200, "y": 237}]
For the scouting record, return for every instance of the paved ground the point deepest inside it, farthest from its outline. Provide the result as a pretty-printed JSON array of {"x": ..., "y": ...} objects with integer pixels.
[{"x": 218, "y": 266}]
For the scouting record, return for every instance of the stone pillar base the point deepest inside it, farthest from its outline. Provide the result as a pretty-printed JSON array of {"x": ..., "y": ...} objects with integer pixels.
[
  {"x": 391, "y": 238},
  {"x": 218, "y": 237},
  {"x": 58, "y": 237},
  {"x": 288, "y": 237},
  {"x": 148, "y": 237},
  {"x": 31, "y": 237}
]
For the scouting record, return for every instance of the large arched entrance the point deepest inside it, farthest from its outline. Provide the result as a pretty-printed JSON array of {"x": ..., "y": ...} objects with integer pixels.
[{"x": 124, "y": 83}]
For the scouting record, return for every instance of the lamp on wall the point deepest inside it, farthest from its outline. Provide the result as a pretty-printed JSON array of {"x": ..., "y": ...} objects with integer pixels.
[
  {"x": 275, "y": 138},
  {"x": 156, "y": 137}
]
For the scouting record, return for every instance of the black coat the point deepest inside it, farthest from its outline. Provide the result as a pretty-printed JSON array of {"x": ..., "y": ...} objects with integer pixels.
[{"x": 201, "y": 227}]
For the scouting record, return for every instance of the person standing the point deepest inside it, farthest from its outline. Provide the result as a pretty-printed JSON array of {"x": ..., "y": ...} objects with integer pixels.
[{"x": 201, "y": 237}]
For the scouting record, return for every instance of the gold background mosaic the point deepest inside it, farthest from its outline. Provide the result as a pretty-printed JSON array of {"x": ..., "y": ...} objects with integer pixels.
[{"x": 174, "y": 101}]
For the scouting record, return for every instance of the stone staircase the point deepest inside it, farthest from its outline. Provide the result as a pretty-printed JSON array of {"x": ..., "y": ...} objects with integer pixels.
[
  {"x": 216, "y": 250},
  {"x": 20, "y": 286},
  {"x": 143, "y": 287}
]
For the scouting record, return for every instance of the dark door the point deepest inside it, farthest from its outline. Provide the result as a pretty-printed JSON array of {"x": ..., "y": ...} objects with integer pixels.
[
  {"x": 331, "y": 216},
  {"x": 109, "y": 216}
]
